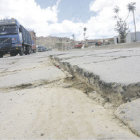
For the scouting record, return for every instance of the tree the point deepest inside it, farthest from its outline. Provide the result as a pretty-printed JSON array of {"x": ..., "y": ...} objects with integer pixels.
[
  {"x": 116, "y": 10},
  {"x": 131, "y": 8},
  {"x": 121, "y": 26},
  {"x": 85, "y": 29}
]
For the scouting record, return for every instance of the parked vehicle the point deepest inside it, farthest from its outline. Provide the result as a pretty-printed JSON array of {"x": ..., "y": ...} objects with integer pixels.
[
  {"x": 42, "y": 49},
  {"x": 49, "y": 49},
  {"x": 98, "y": 43},
  {"x": 14, "y": 38},
  {"x": 79, "y": 45}
]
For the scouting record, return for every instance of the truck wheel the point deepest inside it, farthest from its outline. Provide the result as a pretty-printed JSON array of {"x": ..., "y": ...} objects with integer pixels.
[
  {"x": 34, "y": 51},
  {"x": 1, "y": 55},
  {"x": 28, "y": 50},
  {"x": 21, "y": 52},
  {"x": 13, "y": 54}
]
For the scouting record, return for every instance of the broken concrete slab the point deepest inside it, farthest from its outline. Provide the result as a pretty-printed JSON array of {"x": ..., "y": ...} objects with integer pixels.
[
  {"x": 115, "y": 73},
  {"x": 16, "y": 71},
  {"x": 129, "y": 113},
  {"x": 114, "y": 65}
]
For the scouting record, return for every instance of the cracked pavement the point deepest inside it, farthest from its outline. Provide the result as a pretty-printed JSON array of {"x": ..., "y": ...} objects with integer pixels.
[{"x": 37, "y": 102}]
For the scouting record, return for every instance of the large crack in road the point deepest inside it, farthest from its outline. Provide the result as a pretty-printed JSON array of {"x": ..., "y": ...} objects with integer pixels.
[{"x": 40, "y": 101}]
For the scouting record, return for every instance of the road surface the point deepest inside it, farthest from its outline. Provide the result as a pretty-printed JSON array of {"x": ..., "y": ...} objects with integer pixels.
[{"x": 39, "y": 101}]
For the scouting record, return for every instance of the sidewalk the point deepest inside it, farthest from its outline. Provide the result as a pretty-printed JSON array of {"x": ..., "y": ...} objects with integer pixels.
[{"x": 114, "y": 73}]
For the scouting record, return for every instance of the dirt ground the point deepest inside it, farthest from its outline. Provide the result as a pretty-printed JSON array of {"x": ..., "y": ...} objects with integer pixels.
[{"x": 39, "y": 101}]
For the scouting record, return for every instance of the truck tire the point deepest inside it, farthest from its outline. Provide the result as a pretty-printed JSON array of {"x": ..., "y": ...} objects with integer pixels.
[
  {"x": 1, "y": 54},
  {"x": 34, "y": 51},
  {"x": 21, "y": 52},
  {"x": 13, "y": 53},
  {"x": 28, "y": 50},
  {"x": 25, "y": 52}
]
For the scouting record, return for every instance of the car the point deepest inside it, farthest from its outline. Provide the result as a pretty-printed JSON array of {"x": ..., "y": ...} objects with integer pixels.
[
  {"x": 41, "y": 49},
  {"x": 49, "y": 49},
  {"x": 79, "y": 45}
]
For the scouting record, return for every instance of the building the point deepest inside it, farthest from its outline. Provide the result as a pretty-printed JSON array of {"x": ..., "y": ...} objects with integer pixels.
[
  {"x": 131, "y": 37},
  {"x": 99, "y": 42},
  {"x": 61, "y": 43}
]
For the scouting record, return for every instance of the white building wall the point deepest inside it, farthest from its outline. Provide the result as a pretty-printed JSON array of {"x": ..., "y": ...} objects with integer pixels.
[
  {"x": 128, "y": 38},
  {"x": 138, "y": 36},
  {"x": 131, "y": 37},
  {"x": 117, "y": 40}
]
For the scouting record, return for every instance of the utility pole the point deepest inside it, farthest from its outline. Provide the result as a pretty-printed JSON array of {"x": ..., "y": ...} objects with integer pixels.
[
  {"x": 132, "y": 7},
  {"x": 85, "y": 29},
  {"x": 135, "y": 26},
  {"x": 73, "y": 36}
]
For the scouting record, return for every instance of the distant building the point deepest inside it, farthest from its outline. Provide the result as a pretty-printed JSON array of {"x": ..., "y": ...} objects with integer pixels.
[
  {"x": 91, "y": 42},
  {"x": 98, "y": 42},
  {"x": 54, "y": 42},
  {"x": 117, "y": 40},
  {"x": 131, "y": 37}
]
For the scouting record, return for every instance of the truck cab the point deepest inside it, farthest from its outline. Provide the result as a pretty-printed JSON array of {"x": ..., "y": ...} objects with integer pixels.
[{"x": 13, "y": 40}]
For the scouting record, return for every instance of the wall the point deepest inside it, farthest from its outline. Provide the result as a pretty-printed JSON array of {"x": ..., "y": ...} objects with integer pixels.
[{"x": 131, "y": 37}]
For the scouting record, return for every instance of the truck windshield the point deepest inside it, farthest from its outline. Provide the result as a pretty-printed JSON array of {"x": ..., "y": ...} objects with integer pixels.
[{"x": 8, "y": 29}]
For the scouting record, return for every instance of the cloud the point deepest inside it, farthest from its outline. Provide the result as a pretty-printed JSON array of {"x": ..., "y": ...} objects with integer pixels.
[
  {"x": 29, "y": 14},
  {"x": 98, "y": 5},
  {"x": 101, "y": 25},
  {"x": 45, "y": 21},
  {"x": 104, "y": 18}
]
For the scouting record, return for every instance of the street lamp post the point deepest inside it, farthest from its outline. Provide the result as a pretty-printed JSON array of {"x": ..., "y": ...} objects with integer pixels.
[
  {"x": 85, "y": 29},
  {"x": 73, "y": 36}
]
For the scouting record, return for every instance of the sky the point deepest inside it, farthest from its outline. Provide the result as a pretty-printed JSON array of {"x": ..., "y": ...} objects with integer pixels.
[{"x": 63, "y": 18}]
